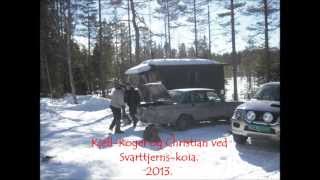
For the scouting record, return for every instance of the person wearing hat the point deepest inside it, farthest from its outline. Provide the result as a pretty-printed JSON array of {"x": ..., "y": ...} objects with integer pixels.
[
  {"x": 117, "y": 102},
  {"x": 133, "y": 100}
]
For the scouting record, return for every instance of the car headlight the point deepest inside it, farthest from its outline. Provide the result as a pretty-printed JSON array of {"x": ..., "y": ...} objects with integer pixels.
[
  {"x": 267, "y": 117},
  {"x": 251, "y": 116}
]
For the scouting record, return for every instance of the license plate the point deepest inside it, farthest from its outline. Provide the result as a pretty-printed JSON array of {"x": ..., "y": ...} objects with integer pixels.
[{"x": 260, "y": 128}]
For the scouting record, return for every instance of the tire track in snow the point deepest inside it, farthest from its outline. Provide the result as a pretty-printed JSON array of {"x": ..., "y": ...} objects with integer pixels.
[{"x": 74, "y": 127}]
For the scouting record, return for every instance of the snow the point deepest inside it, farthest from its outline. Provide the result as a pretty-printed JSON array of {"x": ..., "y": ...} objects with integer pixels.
[
  {"x": 67, "y": 131},
  {"x": 192, "y": 89},
  {"x": 138, "y": 69},
  {"x": 146, "y": 65}
]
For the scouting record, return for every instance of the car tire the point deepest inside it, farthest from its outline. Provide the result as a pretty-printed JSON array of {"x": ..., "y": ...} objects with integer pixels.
[
  {"x": 183, "y": 122},
  {"x": 240, "y": 139}
]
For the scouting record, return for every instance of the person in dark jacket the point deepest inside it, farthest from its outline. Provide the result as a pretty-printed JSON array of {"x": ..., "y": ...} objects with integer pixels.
[
  {"x": 125, "y": 117},
  {"x": 132, "y": 99}
]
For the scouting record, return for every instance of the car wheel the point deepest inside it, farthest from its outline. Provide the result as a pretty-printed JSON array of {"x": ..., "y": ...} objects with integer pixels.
[
  {"x": 240, "y": 139},
  {"x": 183, "y": 122}
]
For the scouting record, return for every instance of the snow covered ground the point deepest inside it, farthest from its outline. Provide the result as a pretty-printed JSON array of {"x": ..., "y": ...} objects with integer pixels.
[{"x": 68, "y": 131}]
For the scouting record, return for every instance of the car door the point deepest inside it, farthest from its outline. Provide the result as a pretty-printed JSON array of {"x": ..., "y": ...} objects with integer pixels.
[
  {"x": 184, "y": 106},
  {"x": 215, "y": 107},
  {"x": 200, "y": 105}
]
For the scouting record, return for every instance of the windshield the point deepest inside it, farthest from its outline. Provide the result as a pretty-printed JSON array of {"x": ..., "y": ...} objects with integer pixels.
[
  {"x": 154, "y": 92},
  {"x": 268, "y": 92}
]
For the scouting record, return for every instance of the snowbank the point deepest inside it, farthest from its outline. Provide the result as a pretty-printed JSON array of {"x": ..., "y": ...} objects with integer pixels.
[
  {"x": 85, "y": 102},
  {"x": 146, "y": 65},
  {"x": 67, "y": 133}
]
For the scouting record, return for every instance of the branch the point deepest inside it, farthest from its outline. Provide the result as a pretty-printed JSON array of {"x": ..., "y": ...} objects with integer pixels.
[{"x": 224, "y": 14}]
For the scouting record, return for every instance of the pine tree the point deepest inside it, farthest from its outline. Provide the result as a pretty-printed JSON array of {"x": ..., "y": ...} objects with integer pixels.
[
  {"x": 191, "y": 52},
  {"x": 264, "y": 9},
  {"x": 136, "y": 30},
  {"x": 197, "y": 16},
  {"x": 182, "y": 51},
  {"x": 203, "y": 48},
  {"x": 231, "y": 8},
  {"x": 209, "y": 27},
  {"x": 129, "y": 29},
  {"x": 87, "y": 16},
  {"x": 43, "y": 47},
  {"x": 171, "y": 11},
  {"x": 68, "y": 51}
]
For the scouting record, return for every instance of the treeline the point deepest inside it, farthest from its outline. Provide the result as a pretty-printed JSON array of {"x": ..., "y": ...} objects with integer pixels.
[
  {"x": 252, "y": 64},
  {"x": 115, "y": 44}
]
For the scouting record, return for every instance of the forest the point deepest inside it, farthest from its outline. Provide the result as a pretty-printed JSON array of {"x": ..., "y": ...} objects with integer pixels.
[{"x": 119, "y": 34}]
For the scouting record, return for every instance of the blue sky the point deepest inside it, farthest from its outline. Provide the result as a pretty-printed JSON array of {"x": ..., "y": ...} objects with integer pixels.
[{"x": 220, "y": 43}]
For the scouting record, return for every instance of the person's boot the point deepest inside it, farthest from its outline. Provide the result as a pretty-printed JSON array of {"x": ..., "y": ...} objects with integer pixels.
[
  {"x": 134, "y": 124},
  {"x": 118, "y": 132},
  {"x": 129, "y": 121},
  {"x": 135, "y": 120},
  {"x": 112, "y": 125}
]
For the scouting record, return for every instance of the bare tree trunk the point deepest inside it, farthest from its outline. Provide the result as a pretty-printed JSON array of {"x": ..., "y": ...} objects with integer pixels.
[
  {"x": 48, "y": 76},
  {"x": 88, "y": 55},
  {"x": 150, "y": 35},
  {"x": 209, "y": 29},
  {"x": 102, "y": 82},
  {"x": 195, "y": 27},
  {"x": 136, "y": 29},
  {"x": 169, "y": 37},
  {"x": 165, "y": 38},
  {"x": 234, "y": 57},
  {"x": 60, "y": 18},
  {"x": 250, "y": 80},
  {"x": 266, "y": 39},
  {"x": 68, "y": 53},
  {"x": 129, "y": 25},
  {"x": 116, "y": 53},
  {"x": 43, "y": 55}
]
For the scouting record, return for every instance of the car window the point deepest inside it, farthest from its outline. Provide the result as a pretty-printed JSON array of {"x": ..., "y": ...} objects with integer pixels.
[
  {"x": 268, "y": 92},
  {"x": 199, "y": 96},
  {"x": 213, "y": 97},
  {"x": 186, "y": 98},
  {"x": 177, "y": 96}
]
